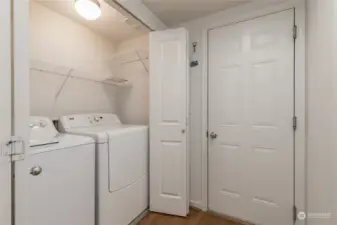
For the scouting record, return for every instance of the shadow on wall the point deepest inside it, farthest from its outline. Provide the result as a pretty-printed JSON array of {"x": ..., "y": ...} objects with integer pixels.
[
  {"x": 132, "y": 103},
  {"x": 58, "y": 92}
]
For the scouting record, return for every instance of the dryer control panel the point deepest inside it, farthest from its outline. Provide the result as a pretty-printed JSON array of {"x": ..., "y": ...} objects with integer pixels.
[{"x": 87, "y": 120}]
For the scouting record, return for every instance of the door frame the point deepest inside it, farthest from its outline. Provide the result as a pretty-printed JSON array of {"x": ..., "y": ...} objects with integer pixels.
[
  {"x": 6, "y": 190},
  {"x": 245, "y": 13}
]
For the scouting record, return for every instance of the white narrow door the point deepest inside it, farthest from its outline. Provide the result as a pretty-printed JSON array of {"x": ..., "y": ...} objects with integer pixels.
[
  {"x": 20, "y": 103},
  {"x": 251, "y": 105},
  {"x": 21, "y": 73},
  {"x": 169, "y": 173},
  {"x": 5, "y": 109}
]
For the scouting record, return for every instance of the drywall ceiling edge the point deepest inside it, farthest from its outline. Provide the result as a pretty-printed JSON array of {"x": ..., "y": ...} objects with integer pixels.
[{"x": 140, "y": 11}]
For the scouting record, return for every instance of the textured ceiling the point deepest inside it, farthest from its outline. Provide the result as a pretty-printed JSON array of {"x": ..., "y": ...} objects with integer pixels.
[
  {"x": 111, "y": 24},
  {"x": 175, "y": 12}
]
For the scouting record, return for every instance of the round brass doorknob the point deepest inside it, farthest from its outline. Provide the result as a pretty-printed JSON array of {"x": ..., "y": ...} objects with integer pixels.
[{"x": 35, "y": 170}]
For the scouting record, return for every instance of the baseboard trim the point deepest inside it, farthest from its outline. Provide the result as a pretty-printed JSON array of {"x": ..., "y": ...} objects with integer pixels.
[
  {"x": 236, "y": 220},
  {"x": 140, "y": 217},
  {"x": 198, "y": 206}
]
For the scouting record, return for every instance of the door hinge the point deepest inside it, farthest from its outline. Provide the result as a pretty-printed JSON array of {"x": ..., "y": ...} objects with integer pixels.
[
  {"x": 294, "y": 122},
  {"x": 295, "y": 32},
  {"x": 294, "y": 213},
  {"x": 194, "y": 63},
  {"x": 15, "y": 148}
]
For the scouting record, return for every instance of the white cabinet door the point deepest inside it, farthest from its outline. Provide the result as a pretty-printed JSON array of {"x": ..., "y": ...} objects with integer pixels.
[
  {"x": 14, "y": 93},
  {"x": 21, "y": 79},
  {"x": 251, "y": 105},
  {"x": 5, "y": 109},
  {"x": 169, "y": 172}
]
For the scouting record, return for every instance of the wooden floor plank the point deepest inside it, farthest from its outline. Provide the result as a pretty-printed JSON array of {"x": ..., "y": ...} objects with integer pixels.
[{"x": 194, "y": 218}]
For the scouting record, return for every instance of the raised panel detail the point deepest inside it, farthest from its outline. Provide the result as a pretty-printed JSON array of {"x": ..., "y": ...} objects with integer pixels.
[
  {"x": 171, "y": 52},
  {"x": 171, "y": 174},
  {"x": 229, "y": 80},
  {"x": 264, "y": 104},
  {"x": 262, "y": 40}
]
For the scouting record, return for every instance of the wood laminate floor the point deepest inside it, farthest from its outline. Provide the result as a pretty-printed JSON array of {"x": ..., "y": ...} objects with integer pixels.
[{"x": 195, "y": 218}]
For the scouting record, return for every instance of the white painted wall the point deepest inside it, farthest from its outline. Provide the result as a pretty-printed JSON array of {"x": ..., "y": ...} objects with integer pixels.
[
  {"x": 322, "y": 110},
  {"x": 61, "y": 44},
  {"x": 197, "y": 134},
  {"x": 133, "y": 103}
]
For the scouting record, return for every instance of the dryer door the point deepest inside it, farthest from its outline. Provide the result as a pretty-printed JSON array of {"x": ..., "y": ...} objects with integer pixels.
[{"x": 128, "y": 156}]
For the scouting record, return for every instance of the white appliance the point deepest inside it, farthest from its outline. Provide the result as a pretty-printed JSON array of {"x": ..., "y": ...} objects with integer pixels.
[
  {"x": 55, "y": 183},
  {"x": 122, "y": 165}
]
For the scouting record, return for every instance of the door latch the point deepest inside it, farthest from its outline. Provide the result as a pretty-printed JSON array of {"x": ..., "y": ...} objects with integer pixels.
[
  {"x": 15, "y": 148},
  {"x": 213, "y": 135}
]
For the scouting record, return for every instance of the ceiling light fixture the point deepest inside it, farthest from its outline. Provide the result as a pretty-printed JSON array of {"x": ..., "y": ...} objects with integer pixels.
[{"x": 89, "y": 9}]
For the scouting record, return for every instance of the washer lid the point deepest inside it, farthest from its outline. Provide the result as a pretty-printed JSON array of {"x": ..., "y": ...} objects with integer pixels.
[{"x": 66, "y": 142}]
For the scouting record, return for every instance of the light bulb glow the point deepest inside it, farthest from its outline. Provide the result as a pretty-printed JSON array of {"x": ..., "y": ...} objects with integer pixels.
[{"x": 89, "y": 9}]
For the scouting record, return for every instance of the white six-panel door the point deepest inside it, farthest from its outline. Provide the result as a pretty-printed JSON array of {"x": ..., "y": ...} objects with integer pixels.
[
  {"x": 169, "y": 178},
  {"x": 251, "y": 105},
  {"x": 5, "y": 109}
]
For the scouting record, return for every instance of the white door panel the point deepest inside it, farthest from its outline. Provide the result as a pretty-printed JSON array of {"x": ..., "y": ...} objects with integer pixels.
[
  {"x": 251, "y": 103},
  {"x": 21, "y": 71},
  {"x": 65, "y": 187},
  {"x": 5, "y": 109},
  {"x": 20, "y": 103},
  {"x": 169, "y": 181}
]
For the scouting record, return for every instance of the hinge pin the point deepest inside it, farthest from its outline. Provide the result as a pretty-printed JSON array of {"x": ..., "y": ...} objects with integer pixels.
[
  {"x": 294, "y": 213},
  {"x": 295, "y": 32},
  {"x": 294, "y": 122}
]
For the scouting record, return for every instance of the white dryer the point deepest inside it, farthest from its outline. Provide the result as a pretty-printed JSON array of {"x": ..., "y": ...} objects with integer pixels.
[
  {"x": 55, "y": 183},
  {"x": 122, "y": 165}
]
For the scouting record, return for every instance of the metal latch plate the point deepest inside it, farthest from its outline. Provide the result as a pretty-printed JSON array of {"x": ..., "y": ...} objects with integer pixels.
[{"x": 15, "y": 148}]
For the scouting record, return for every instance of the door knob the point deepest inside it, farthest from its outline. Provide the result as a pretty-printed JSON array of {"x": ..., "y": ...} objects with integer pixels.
[
  {"x": 35, "y": 170},
  {"x": 213, "y": 135}
]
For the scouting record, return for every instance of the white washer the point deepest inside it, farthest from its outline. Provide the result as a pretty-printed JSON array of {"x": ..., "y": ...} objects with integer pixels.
[
  {"x": 122, "y": 165},
  {"x": 55, "y": 183}
]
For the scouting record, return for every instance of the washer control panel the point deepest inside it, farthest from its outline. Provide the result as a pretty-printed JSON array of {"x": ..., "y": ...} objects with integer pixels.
[{"x": 42, "y": 131}]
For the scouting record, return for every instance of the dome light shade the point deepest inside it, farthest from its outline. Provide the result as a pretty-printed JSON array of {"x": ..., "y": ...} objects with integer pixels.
[{"x": 89, "y": 9}]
